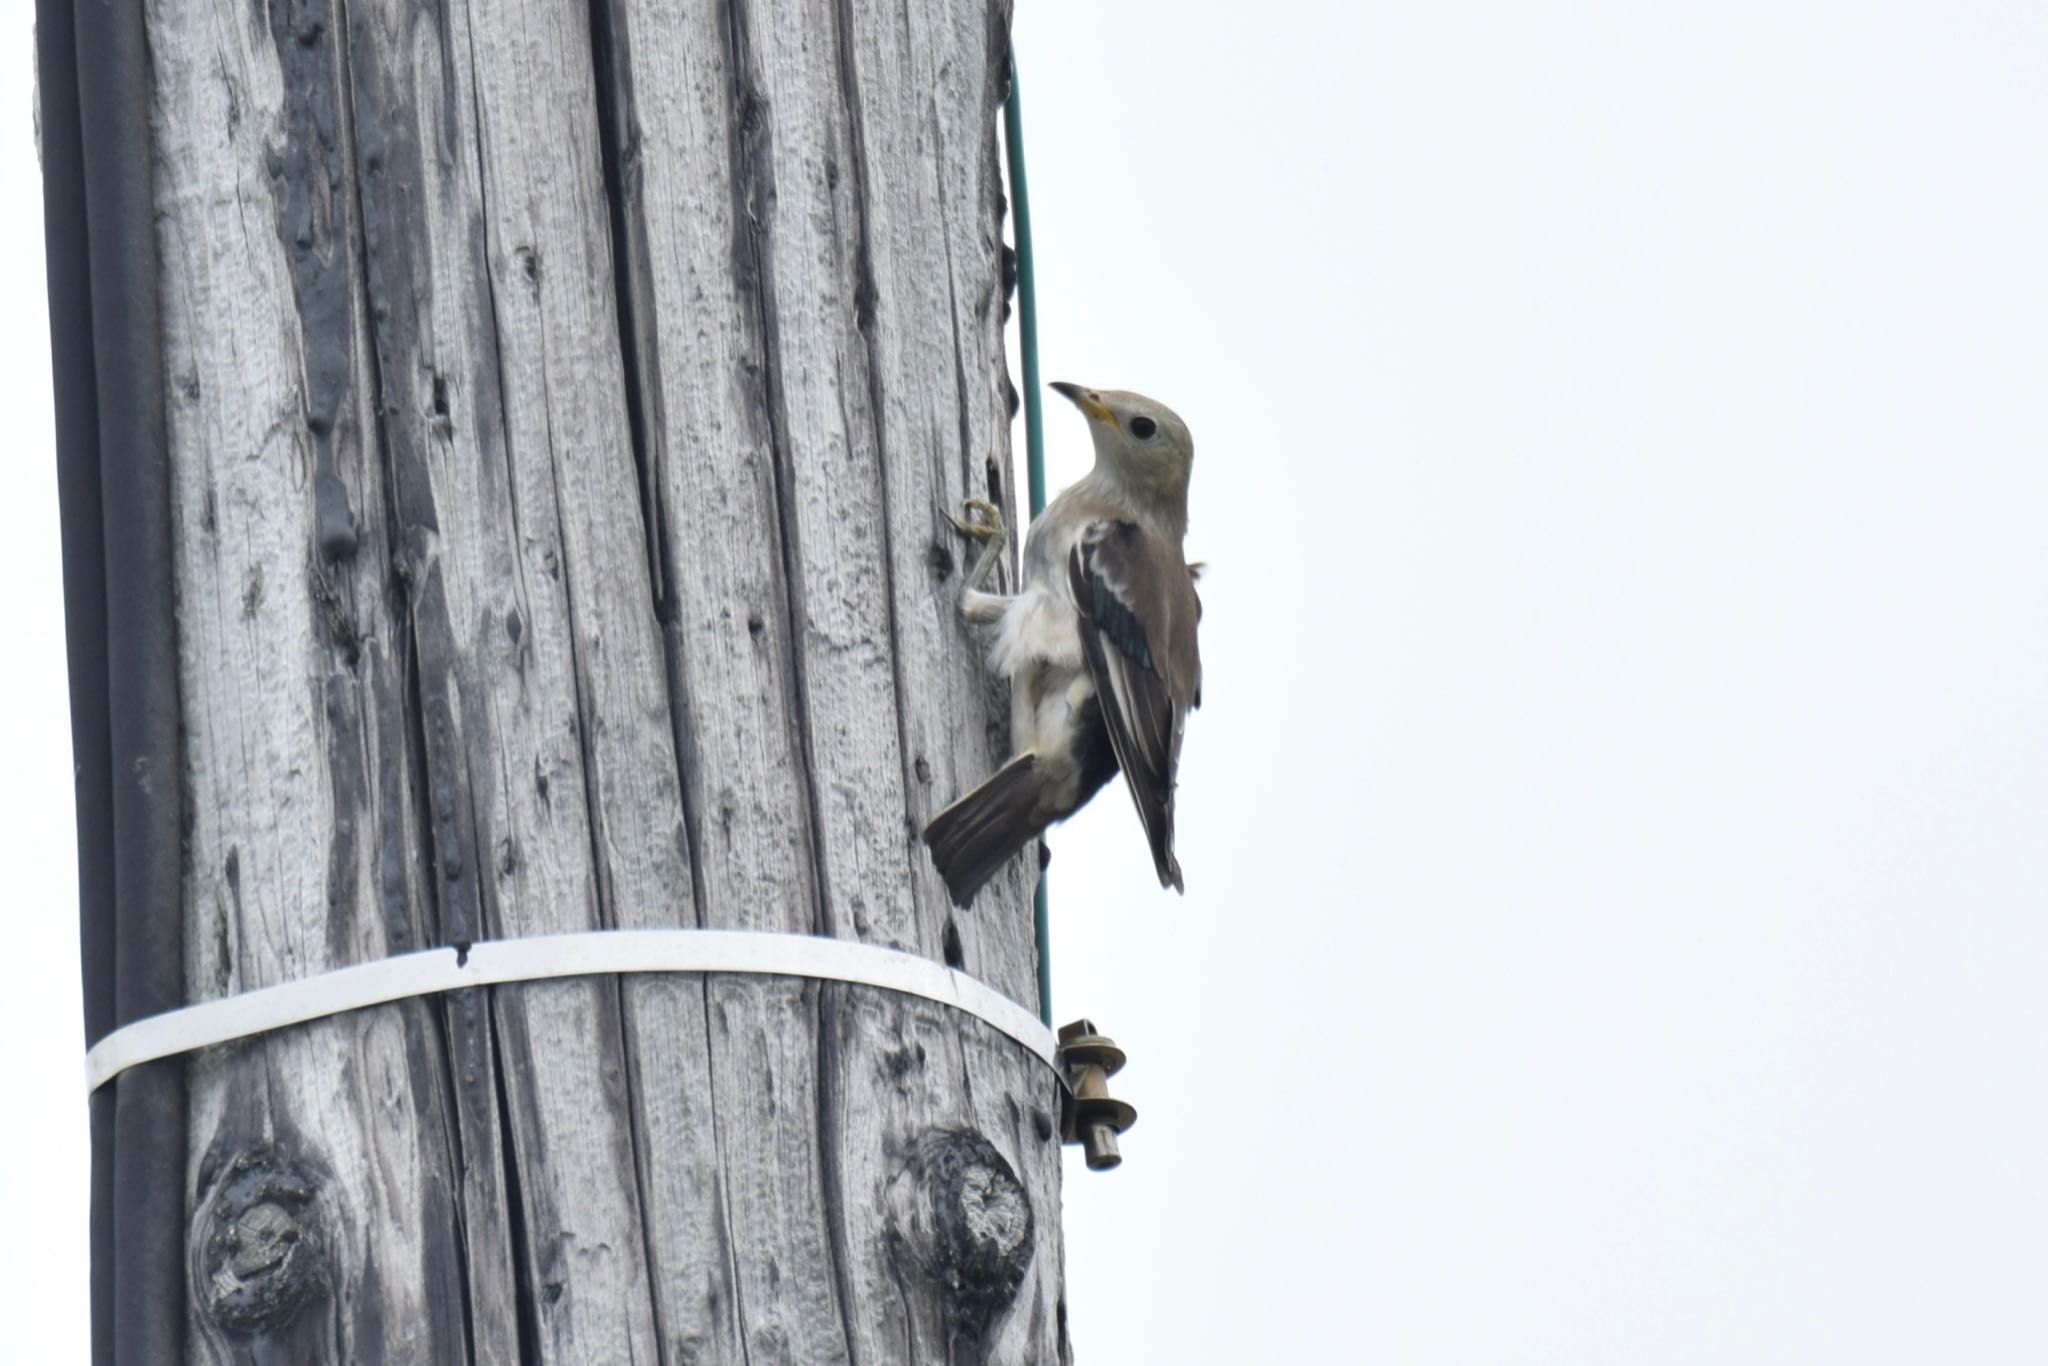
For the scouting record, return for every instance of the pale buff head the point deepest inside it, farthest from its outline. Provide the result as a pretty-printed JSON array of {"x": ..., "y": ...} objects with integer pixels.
[{"x": 1141, "y": 444}]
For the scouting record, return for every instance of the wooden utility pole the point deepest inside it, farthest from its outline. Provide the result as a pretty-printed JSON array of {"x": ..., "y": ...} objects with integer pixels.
[{"x": 561, "y": 402}]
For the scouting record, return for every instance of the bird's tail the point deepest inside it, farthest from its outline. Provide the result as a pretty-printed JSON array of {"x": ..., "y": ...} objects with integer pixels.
[{"x": 976, "y": 835}]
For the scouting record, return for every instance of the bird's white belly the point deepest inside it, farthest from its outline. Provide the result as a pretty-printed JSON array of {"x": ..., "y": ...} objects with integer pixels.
[
  {"x": 1037, "y": 626},
  {"x": 1038, "y": 648}
]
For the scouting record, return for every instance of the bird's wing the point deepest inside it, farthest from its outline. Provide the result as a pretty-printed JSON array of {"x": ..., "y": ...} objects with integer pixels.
[{"x": 1137, "y": 605}]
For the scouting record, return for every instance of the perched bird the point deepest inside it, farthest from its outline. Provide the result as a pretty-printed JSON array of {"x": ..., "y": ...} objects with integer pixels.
[{"x": 1098, "y": 644}]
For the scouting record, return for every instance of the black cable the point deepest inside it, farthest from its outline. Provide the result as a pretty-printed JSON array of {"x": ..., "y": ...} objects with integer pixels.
[
  {"x": 107, "y": 364},
  {"x": 85, "y": 591}
]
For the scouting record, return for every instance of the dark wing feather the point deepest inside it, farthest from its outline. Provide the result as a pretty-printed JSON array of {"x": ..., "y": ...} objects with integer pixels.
[{"x": 1137, "y": 604}]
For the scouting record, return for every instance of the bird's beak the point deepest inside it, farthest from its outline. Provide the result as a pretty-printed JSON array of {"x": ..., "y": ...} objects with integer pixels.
[{"x": 1087, "y": 402}]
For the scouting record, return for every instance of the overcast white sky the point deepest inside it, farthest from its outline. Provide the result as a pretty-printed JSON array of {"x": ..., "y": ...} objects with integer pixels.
[{"x": 1617, "y": 836}]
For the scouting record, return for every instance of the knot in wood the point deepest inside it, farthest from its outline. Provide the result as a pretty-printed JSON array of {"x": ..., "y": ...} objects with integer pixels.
[
  {"x": 959, "y": 1218},
  {"x": 260, "y": 1250}
]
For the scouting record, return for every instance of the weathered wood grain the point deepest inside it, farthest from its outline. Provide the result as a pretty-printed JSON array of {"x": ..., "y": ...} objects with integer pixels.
[
  {"x": 860, "y": 434},
  {"x": 303, "y": 851},
  {"x": 576, "y": 395},
  {"x": 683, "y": 124},
  {"x": 562, "y": 762},
  {"x": 921, "y": 86}
]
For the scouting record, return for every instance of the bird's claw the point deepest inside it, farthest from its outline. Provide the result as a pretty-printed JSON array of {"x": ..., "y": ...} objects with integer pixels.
[{"x": 990, "y": 528}]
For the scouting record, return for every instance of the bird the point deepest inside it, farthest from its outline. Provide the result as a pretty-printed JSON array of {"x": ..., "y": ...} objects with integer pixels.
[{"x": 1098, "y": 644}]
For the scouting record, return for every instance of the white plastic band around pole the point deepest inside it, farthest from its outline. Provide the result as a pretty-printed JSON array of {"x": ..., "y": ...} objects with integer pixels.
[{"x": 584, "y": 953}]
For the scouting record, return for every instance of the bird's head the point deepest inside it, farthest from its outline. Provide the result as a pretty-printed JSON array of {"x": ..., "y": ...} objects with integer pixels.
[{"x": 1140, "y": 441}]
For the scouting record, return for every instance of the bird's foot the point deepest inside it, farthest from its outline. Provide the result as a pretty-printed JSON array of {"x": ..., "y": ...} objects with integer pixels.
[{"x": 989, "y": 528}]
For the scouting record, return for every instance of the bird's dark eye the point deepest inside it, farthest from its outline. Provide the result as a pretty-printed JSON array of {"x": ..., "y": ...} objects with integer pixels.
[{"x": 1144, "y": 428}]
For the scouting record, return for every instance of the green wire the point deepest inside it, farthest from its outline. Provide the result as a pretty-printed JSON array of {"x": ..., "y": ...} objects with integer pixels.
[{"x": 1034, "y": 427}]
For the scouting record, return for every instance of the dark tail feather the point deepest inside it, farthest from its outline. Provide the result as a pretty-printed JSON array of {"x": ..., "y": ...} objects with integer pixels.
[
  {"x": 1160, "y": 833},
  {"x": 1169, "y": 867},
  {"x": 976, "y": 835}
]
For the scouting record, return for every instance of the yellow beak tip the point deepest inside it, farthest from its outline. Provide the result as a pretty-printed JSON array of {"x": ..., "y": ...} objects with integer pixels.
[{"x": 1094, "y": 408}]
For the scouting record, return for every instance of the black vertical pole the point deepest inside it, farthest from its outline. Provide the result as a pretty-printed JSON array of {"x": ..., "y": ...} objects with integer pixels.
[
  {"x": 114, "y": 486},
  {"x": 85, "y": 590}
]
